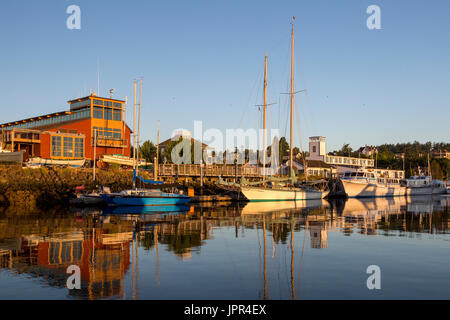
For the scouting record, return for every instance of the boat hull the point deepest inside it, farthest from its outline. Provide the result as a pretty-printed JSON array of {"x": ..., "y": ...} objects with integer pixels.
[
  {"x": 42, "y": 161},
  {"x": 425, "y": 191},
  {"x": 149, "y": 201},
  {"x": 267, "y": 194},
  {"x": 11, "y": 157},
  {"x": 419, "y": 191},
  {"x": 87, "y": 200},
  {"x": 371, "y": 190},
  {"x": 259, "y": 207},
  {"x": 165, "y": 209}
]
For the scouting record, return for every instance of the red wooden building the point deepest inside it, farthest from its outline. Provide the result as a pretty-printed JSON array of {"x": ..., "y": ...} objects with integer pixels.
[{"x": 91, "y": 123}]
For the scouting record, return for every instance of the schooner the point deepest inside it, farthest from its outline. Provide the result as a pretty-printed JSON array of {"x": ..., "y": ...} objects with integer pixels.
[{"x": 274, "y": 191}]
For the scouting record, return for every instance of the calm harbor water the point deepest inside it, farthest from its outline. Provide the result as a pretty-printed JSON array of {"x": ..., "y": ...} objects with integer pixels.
[{"x": 303, "y": 250}]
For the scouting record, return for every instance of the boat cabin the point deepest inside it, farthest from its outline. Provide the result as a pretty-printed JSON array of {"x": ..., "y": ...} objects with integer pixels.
[{"x": 418, "y": 181}]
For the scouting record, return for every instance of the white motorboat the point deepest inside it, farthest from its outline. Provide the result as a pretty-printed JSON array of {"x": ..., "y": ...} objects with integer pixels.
[
  {"x": 424, "y": 185},
  {"x": 365, "y": 183}
]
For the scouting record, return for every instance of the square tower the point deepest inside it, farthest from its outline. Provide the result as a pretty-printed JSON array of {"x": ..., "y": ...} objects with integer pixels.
[{"x": 317, "y": 148}]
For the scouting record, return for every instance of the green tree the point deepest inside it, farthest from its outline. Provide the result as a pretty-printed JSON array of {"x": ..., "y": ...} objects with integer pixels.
[
  {"x": 346, "y": 151},
  {"x": 284, "y": 148},
  {"x": 436, "y": 170},
  {"x": 148, "y": 151},
  {"x": 169, "y": 148}
]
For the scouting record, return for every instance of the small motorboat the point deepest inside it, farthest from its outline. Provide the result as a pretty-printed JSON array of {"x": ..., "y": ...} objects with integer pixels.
[{"x": 91, "y": 199}]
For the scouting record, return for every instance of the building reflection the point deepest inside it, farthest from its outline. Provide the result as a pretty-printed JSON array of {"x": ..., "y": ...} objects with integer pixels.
[
  {"x": 102, "y": 254},
  {"x": 104, "y": 244}
]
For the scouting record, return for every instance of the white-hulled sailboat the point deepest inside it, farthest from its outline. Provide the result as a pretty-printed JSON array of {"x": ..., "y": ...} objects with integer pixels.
[{"x": 279, "y": 191}]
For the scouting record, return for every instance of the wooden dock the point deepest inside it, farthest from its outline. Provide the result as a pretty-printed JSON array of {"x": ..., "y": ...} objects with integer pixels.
[{"x": 217, "y": 198}]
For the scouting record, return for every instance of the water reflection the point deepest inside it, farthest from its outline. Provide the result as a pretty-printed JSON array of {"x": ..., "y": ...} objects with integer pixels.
[{"x": 114, "y": 247}]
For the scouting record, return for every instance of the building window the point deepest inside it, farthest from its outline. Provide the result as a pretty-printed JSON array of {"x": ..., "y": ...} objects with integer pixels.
[
  {"x": 98, "y": 113},
  {"x": 314, "y": 149},
  {"x": 107, "y": 114},
  {"x": 107, "y": 103},
  {"x": 117, "y": 105},
  {"x": 116, "y": 134},
  {"x": 98, "y": 102},
  {"x": 79, "y": 148},
  {"x": 56, "y": 146},
  {"x": 117, "y": 115},
  {"x": 68, "y": 147},
  {"x": 108, "y": 133}
]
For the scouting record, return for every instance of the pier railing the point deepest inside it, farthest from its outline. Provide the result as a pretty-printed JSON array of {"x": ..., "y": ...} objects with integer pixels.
[{"x": 194, "y": 170}]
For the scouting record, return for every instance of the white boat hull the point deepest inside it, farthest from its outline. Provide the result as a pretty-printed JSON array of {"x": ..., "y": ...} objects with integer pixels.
[
  {"x": 280, "y": 206},
  {"x": 288, "y": 194},
  {"x": 371, "y": 190},
  {"x": 419, "y": 191},
  {"x": 425, "y": 191},
  {"x": 122, "y": 160},
  {"x": 42, "y": 161},
  {"x": 439, "y": 190},
  {"x": 11, "y": 157}
]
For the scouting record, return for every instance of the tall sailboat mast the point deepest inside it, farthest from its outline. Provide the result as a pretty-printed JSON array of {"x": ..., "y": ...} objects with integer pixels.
[
  {"x": 292, "y": 103},
  {"x": 139, "y": 125},
  {"x": 134, "y": 137},
  {"x": 264, "y": 121}
]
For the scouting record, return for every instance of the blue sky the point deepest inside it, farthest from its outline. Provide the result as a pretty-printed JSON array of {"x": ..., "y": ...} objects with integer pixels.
[{"x": 203, "y": 60}]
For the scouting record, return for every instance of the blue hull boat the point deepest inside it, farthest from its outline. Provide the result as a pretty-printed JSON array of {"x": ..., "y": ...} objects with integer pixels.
[
  {"x": 145, "y": 200},
  {"x": 144, "y": 197},
  {"x": 124, "y": 210}
]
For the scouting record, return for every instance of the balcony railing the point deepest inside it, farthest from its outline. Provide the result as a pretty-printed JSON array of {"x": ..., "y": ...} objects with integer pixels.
[{"x": 110, "y": 142}]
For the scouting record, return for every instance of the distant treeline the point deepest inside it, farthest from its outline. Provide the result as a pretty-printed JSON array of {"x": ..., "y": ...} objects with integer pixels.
[{"x": 413, "y": 157}]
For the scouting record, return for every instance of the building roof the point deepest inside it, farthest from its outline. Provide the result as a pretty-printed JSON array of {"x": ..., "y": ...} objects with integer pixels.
[
  {"x": 95, "y": 97},
  {"x": 311, "y": 164},
  {"x": 176, "y": 138},
  {"x": 317, "y": 164},
  {"x": 317, "y": 138},
  {"x": 49, "y": 115}
]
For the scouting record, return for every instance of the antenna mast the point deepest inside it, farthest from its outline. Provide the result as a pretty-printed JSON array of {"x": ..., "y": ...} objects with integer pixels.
[{"x": 98, "y": 77}]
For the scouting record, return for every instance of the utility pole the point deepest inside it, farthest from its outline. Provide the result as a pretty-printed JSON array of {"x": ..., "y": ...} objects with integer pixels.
[
  {"x": 403, "y": 156},
  {"x": 157, "y": 154},
  {"x": 124, "y": 120},
  {"x": 134, "y": 137},
  {"x": 95, "y": 152}
]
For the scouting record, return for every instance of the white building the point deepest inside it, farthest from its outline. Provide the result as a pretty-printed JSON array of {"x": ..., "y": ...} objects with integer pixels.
[{"x": 318, "y": 151}]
